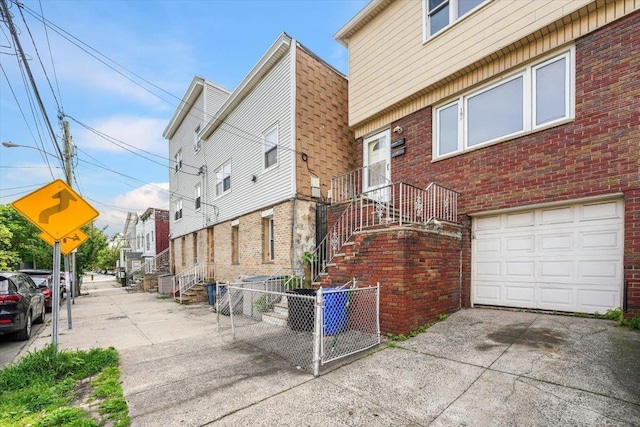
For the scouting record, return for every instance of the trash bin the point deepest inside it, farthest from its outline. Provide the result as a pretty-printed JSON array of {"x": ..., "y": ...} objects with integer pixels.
[
  {"x": 123, "y": 281},
  {"x": 301, "y": 310},
  {"x": 335, "y": 310},
  {"x": 211, "y": 293}
]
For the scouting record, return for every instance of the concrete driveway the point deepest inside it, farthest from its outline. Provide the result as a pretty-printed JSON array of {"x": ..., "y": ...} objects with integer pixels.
[{"x": 479, "y": 367}]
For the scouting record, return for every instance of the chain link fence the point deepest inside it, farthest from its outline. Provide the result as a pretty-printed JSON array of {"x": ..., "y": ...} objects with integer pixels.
[{"x": 308, "y": 327}]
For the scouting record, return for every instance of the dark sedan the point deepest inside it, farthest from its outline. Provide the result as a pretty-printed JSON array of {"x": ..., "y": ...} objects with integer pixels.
[{"x": 21, "y": 304}]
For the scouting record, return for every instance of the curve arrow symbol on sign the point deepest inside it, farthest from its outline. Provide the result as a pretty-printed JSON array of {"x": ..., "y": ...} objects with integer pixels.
[{"x": 65, "y": 197}]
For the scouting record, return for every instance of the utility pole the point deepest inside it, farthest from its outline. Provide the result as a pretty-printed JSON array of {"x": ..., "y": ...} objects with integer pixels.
[{"x": 70, "y": 280}]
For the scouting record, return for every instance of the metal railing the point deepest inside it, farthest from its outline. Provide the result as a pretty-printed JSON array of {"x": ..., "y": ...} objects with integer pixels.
[
  {"x": 350, "y": 185},
  {"x": 187, "y": 279},
  {"x": 307, "y": 327},
  {"x": 399, "y": 203},
  {"x": 151, "y": 265}
]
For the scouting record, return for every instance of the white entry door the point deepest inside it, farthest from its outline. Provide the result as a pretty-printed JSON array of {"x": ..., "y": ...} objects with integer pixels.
[
  {"x": 377, "y": 165},
  {"x": 565, "y": 258}
]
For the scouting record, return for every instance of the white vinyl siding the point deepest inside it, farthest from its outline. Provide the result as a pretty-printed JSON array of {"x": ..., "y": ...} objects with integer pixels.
[
  {"x": 182, "y": 184},
  {"x": 534, "y": 97},
  {"x": 562, "y": 257},
  {"x": 214, "y": 97},
  {"x": 240, "y": 140}
]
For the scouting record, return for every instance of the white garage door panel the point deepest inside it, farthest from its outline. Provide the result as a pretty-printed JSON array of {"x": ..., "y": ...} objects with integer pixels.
[{"x": 565, "y": 258}]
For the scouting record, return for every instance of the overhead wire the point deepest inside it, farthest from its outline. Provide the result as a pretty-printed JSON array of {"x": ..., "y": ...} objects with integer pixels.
[
  {"x": 53, "y": 65},
  {"x": 25, "y": 118},
  {"x": 25, "y": 65}
]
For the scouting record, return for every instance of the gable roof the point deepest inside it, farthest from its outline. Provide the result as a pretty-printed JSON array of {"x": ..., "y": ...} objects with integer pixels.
[
  {"x": 268, "y": 60},
  {"x": 367, "y": 13}
]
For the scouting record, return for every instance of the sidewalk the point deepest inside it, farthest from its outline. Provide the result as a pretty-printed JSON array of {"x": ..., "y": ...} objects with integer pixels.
[{"x": 479, "y": 367}]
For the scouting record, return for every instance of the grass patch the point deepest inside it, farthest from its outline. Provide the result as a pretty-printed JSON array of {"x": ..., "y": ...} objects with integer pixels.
[
  {"x": 617, "y": 315},
  {"x": 41, "y": 390},
  {"x": 419, "y": 330}
]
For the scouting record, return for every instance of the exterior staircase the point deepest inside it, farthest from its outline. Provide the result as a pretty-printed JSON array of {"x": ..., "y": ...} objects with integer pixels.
[
  {"x": 280, "y": 314},
  {"x": 147, "y": 273},
  {"x": 391, "y": 205},
  {"x": 189, "y": 285}
]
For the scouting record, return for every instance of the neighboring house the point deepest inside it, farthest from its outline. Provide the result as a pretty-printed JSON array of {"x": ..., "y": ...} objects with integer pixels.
[
  {"x": 251, "y": 167},
  {"x": 530, "y": 111},
  {"x": 146, "y": 238}
]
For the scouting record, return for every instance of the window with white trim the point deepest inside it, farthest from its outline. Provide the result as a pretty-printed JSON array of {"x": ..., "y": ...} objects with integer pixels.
[
  {"x": 536, "y": 97},
  {"x": 177, "y": 210},
  {"x": 268, "y": 239},
  {"x": 223, "y": 179},
  {"x": 440, "y": 14},
  {"x": 198, "y": 196},
  {"x": 177, "y": 159},
  {"x": 197, "y": 142},
  {"x": 271, "y": 148}
]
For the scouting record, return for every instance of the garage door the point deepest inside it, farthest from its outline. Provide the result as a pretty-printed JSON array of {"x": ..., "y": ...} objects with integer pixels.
[{"x": 565, "y": 258}]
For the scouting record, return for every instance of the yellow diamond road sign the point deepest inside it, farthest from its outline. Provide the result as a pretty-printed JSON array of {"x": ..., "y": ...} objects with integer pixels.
[
  {"x": 69, "y": 242},
  {"x": 56, "y": 209}
]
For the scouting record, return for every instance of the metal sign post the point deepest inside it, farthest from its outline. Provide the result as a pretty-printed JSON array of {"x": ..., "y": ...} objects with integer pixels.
[
  {"x": 55, "y": 306},
  {"x": 67, "y": 282}
]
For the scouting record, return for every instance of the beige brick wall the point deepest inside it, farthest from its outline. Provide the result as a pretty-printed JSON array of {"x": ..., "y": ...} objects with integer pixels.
[{"x": 322, "y": 129}]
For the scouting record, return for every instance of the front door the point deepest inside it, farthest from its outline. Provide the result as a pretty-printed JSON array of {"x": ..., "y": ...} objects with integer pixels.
[{"x": 377, "y": 167}]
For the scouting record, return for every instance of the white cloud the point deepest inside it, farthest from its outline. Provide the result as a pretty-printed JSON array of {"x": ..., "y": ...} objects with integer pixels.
[
  {"x": 141, "y": 132},
  {"x": 152, "y": 195}
]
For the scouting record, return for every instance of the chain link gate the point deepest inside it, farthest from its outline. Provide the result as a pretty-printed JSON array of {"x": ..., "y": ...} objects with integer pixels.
[{"x": 307, "y": 327}]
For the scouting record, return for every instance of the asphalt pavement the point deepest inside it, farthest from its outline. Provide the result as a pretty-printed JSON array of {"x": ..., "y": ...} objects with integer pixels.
[{"x": 478, "y": 367}]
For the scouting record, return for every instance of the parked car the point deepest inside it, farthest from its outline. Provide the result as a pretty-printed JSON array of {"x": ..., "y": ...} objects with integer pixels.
[
  {"x": 45, "y": 278},
  {"x": 21, "y": 304}
]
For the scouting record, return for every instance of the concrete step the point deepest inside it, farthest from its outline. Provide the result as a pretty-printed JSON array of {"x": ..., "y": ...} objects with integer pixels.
[
  {"x": 281, "y": 308},
  {"x": 274, "y": 318}
]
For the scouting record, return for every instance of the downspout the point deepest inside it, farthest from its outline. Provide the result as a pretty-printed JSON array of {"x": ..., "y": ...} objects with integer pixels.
[{"x": 293, "y": 234}]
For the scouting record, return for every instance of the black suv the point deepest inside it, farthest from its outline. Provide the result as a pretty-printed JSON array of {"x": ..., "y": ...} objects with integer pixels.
[{"x": 21, "y": 304}]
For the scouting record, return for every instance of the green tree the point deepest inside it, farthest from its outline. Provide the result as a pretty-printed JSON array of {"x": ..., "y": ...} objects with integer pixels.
[
  {"x": 108, "y": 257},
  {"x": 22, "y": 241},
  {"x": 88, "y": 253},
  {"x": 8, "y": 257}
]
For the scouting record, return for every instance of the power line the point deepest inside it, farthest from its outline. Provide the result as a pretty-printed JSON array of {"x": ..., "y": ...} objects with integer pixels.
[
  {"x": 53, "y": 66},
  {"x": 8, "y": 19}
]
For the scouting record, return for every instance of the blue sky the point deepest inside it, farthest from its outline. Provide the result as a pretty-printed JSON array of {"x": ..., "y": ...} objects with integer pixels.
[{"x": 160, "y": 45}]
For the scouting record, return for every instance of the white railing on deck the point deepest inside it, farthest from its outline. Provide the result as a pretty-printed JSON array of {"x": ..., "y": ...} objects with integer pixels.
[
  {"x": 390, "y": 204},
  {"x": 349, "y": 185},
  {"x": 187, "y": 279}
]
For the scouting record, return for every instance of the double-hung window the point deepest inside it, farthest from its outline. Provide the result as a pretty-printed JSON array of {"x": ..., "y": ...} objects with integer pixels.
[
  {"x": 178, "y": 210},
  {"x": 178, "y": 160},
  {"x": 197, "y": 142},
  {"x": 223, "y": 179},
  {"x": 533, "y": 98},
  {"x": 271, "y": 148},
  {"x": 198, "y": 196},
  {"x": 439, "y": 14}
]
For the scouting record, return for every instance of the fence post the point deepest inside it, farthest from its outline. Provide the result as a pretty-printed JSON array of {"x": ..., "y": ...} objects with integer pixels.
[
  {"x": 317, "y": 333},
  {"x": 378, "y": 309},
  {"x": 233, "y": 329},
  {"x": 217, "y": 307}
]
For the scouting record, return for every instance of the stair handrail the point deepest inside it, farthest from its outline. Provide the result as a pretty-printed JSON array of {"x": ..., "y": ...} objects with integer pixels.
[
  {"x": 350, "y": 185},
  {"x": 190, "y": 277},
  {"x": 398, "y": 203}
]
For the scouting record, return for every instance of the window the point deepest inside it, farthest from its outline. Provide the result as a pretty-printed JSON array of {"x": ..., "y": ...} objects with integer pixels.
[
  {"x": 197, "y": 142},
  {"x": 148, "y": 241},
  {"x": 442, "y": 13},
  {"x": 268, "y": 242},
  {"x": 223, "y": 179},
  {"x": 535, "y": 97},
  {"x": 271, "y": 148},
  {"x": 268, "y": 236},
  {"x": 178, "y": 210},
  {"x": 178, "y": 160},
  {"x": 235, "y": 241},
  {"x": 198, "y": 196}
]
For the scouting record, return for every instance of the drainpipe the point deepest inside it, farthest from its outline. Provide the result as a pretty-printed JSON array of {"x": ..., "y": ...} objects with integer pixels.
[{"x": 293, "y": 233}]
